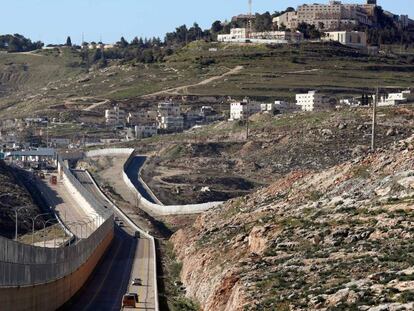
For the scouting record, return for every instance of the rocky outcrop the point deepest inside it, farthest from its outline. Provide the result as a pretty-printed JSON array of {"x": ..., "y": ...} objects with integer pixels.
[{"x": 340, "y": 238}]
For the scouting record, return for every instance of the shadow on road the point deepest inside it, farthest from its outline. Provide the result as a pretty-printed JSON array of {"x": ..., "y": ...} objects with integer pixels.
[{"x": 109, "y": 282}]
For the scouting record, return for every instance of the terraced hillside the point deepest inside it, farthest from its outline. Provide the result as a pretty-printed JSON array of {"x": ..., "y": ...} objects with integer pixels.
[{"x": 56, "y": 82}]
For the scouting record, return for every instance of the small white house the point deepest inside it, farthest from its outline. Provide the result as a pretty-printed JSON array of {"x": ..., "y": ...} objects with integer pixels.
[
  {"x": 355, "y": 39},
  {"x": 312, "y": 101}
]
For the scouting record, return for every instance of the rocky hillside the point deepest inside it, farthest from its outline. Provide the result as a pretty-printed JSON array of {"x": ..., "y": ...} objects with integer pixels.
[
  {"x": 219, "y": 157},
  {"x": 12, "y": 195},
  {"x": 340, "y": 239}
]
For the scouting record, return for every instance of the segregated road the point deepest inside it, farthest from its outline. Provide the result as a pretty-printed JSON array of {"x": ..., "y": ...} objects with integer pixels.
[
  {"x": 74, "y": 217},
  {"x": 127, "y": 258}
]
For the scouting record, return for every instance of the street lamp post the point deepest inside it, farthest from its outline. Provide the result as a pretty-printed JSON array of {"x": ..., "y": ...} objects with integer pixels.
[
  {"x": 44, "y": 229},
  {"x": 16, "y": 211},
  {"x": 34, "y": 221}
]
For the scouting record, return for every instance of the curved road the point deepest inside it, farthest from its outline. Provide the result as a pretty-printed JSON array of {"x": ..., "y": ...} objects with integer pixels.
[{"x": 133, "y": 173}]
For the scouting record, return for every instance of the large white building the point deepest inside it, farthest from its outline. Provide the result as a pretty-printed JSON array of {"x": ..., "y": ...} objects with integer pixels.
[
  {"x": 169, "y": 117},
  {"x": 115, "y": 116},
  {"x": 330, "y": 16},
  {"x": 355, "y": 39},
  {"x": 394, "y": 99},
  {"x": 312, "y": 101},
  {"x": 242, "y": 35},
  {"x": 244, "y": 109}
]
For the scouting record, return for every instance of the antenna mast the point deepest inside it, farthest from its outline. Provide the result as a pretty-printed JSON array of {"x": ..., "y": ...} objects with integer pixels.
[{"x": 249, "y": 23}]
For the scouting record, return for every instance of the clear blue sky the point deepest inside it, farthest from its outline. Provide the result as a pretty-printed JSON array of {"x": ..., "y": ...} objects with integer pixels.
[{"x": 52, "y": 20}]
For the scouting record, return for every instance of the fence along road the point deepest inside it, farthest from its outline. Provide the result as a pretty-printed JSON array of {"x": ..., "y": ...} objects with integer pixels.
[
  {"x": 36, "y": 278},
  {"x": 127, "y": 259}
]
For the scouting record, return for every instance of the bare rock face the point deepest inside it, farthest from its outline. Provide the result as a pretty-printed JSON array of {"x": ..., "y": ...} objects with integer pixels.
[
  {"x": 257, "y": 240},
  {"x": 340, "y": 238}
]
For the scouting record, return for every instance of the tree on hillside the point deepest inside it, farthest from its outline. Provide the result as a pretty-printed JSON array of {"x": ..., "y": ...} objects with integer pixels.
[
  {"x": 68, "y": 41},
  {"x": 263, "y": 22},
  {"x": 122, "y": 43},
  {"x": 309, "y": 31},
  {"x": 216, "y": 27}
]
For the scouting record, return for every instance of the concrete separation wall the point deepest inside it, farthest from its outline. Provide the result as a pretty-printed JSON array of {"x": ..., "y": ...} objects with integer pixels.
[
  {"x": 52, "y": 295},
  {"x": 82, "y": 196},
  {"x": 22, "y": 265},
  {"x": 165, "y": 209},
  {"x": 157, "y": 209},
  {"x": 36, "y": 278}
]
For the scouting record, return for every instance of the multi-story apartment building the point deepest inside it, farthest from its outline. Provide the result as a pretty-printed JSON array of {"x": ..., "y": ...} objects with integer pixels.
[
  {"x": 312, "y": 101},
  {"x": 288, "y": 20},
  {"x": 332, "y": 16},
  {"x": 115, "y": 116},
  {"x": 355, "y": 39},
  {"x": 169, "y": 117},
  {"x": 244, "y": 109},
  {"x": 142, "y": 117}
]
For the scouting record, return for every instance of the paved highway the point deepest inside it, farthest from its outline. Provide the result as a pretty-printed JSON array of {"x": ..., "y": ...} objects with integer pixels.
[
  {"x": 58, "y": 197},
  {"x": 127, "y": 258}
]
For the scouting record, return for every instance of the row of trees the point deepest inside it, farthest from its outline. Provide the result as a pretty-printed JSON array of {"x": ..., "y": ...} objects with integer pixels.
[{"x": 18, "y": 43}]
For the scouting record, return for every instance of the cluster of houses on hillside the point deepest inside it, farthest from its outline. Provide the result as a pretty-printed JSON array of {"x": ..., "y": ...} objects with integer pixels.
[
  {"x": 311, "y": 101},
  {"x": 168, "y": 118}
]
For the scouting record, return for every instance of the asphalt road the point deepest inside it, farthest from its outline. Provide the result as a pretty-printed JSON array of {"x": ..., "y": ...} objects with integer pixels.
[
  {"x": 126, "y": 259},
  {"x": 133, "y": 172},
  {"x": 74, "y": 217}
]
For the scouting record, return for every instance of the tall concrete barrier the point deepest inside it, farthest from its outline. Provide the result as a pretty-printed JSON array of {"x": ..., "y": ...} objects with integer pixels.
[
  {"x": 81, "y": 195},
  {"x": 50, "y": 295},
  {"x": 163, "y": 209},
  {"x": 154, "y": 208},
  {"x": 37, "y": 278}
]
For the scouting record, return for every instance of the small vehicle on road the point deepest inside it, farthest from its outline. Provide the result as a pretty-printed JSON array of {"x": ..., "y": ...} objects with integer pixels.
[
  {"x": 130, "y": 300},
  {"x": 121, "y": 224},
  {"x": 137, "y": 282}
]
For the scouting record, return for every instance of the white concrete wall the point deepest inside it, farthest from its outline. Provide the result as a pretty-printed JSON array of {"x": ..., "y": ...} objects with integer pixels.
[{"x": 157, "y": 209}]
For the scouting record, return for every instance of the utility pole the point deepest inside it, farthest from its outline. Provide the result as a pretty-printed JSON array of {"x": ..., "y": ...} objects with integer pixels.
[
  {"x": 247, "y": 128},
  {"x": 374, "y": 121},
  {"x": 47, "y": 134},
  {"x": 250, "y": 22}
]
